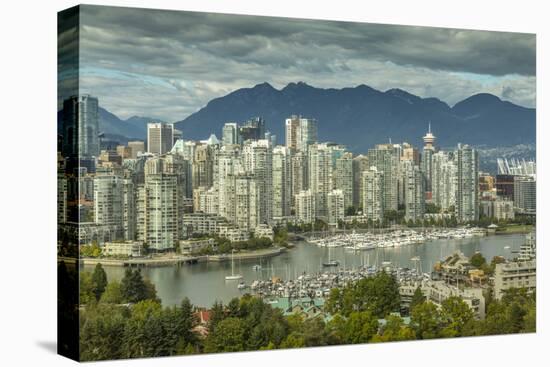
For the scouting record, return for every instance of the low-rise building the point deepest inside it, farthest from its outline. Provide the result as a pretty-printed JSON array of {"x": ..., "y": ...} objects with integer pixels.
[
  {"x": 515, "y": 274},
  {"x": 189, "y": 247},
  {"x": 263, "y": 230},
  {"x": 123, "y": 248},
  {"x": 232, "y": 232}
]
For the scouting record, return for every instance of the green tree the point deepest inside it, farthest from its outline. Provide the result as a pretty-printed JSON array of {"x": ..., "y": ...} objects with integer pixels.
[
  {"x": 417, "y": 298},
  {"x": 102, "y": 332},
  {"x": 426, "y": 321},
  {"x": 228, "y": 336},
  {"x": 143, "y": 334},
  {"x": 360, "y": 327},
  {"x": 394, "y": 330},
  {"x": 293, "y": 340},
  {"x": 477, "y": 260},
  {"x": 86, "y": 288},
  {"x": 99, "y": 280},
  {"x": 455, "y": 314},
  {"x": 112, "y": 294},
  {"x": 135, "y": 289}
]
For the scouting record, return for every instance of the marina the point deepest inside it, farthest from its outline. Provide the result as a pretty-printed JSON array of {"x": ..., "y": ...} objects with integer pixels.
[{"x": 204, "y": 282}]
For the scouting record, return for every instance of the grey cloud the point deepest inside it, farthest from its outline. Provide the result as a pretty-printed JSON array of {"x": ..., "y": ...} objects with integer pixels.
[{"x": 201, "y": 56}]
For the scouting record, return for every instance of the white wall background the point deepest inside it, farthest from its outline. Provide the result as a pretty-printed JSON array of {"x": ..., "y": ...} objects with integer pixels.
[{"x": 28, "y": 180}]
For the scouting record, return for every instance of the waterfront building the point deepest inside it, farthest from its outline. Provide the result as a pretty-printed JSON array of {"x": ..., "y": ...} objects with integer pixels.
[
  {"x": 202, "y": 223},
  {"x": 81, "y": 127},
  {"x": 136, "y": 147},
  {"x": 515, "y": 274},
  {"x": 230, "y": 133},
  {"x": 467, "y": 190},
  {"x": 282, "y": 182},
  {"x": 160, "y": 137},
  {"x": 525, "y": 194},
  {"x": 528, "y": 250},
  {"x": 373, "y": 196},
  {"x": 343, "y": 178},
  {"x": 232, "y": 232},
  {"x": 336, "y": 207},
  {"x": 263, "y": 231},
  {"x": 191, "y": 246},
  {"x": 108, "y": 202},
  {"x": 499, "y": 208},
  {"x": 305, "y": 207},
  {"x": 159, "y": 211},
  {"x": 123, "y": 248}
]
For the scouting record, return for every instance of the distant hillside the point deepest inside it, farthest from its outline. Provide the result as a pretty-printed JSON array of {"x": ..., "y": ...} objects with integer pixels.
[
  {"x": 121, "y": 130},
  {"x": 362, "y": 116}
]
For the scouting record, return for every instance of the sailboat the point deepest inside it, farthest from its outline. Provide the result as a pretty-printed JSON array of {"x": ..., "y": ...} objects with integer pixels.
[
  {"x": 331, "y": 262},
  {"x": 233, "y": 276}
]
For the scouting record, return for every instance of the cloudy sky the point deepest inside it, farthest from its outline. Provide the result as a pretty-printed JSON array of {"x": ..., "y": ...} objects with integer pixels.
[{"x": 168, "y": 65}]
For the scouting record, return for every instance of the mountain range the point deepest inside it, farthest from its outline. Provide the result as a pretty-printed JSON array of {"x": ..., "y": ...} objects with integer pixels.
[{"x": 358, "y": 117}]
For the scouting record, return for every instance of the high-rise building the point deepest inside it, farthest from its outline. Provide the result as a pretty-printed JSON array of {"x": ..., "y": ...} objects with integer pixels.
[
  {"x": 247, "y": 202},
  {"x": 336, "y": 207},
  {"x": 360, "y": 164},
  {"x": 253, "y": 129},
  {"x": 320, "y": 170},
  {"x": 230, "y": 133},
  {"x": 373, "y": 196},
  {"x": 525, "y": 194},
  {"x": 203, "y": 166},
  {"x": 427, "y": 153},
  {"x": 305, "y": 207},
  {"x": 129, "y": 209},
  {"x": 281, "y": 181},
  {"x": 135, "y": 148},
  {"x": 307, "y": 133},
  {"x": 299, "y": 171},
  {"x": 228, "y": 165},
  {"x": 385, "y": 157},
  {"x": 444, "y": 180},
  {"x": 257, "y": 159},
  {"x": 81, "y": 126},
  {"x": 467, "y": 188},
  {"x": 410, "y": 153},
  {"x": 414, "y": 191},
  {"x": 343, "y": 178},
  {"x": 160, "y": 137},
  {"x": 108, "y": 203},
  {"x": 292, "y": 125},
  {"x": 158, "y": 212}
]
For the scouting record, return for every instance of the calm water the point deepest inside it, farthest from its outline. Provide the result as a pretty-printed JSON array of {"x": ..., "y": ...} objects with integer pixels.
[{"x": 204, "y": 283}]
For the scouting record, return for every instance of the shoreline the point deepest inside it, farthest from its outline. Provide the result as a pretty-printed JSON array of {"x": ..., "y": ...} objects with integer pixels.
[{"x": 181, "y": 260}]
